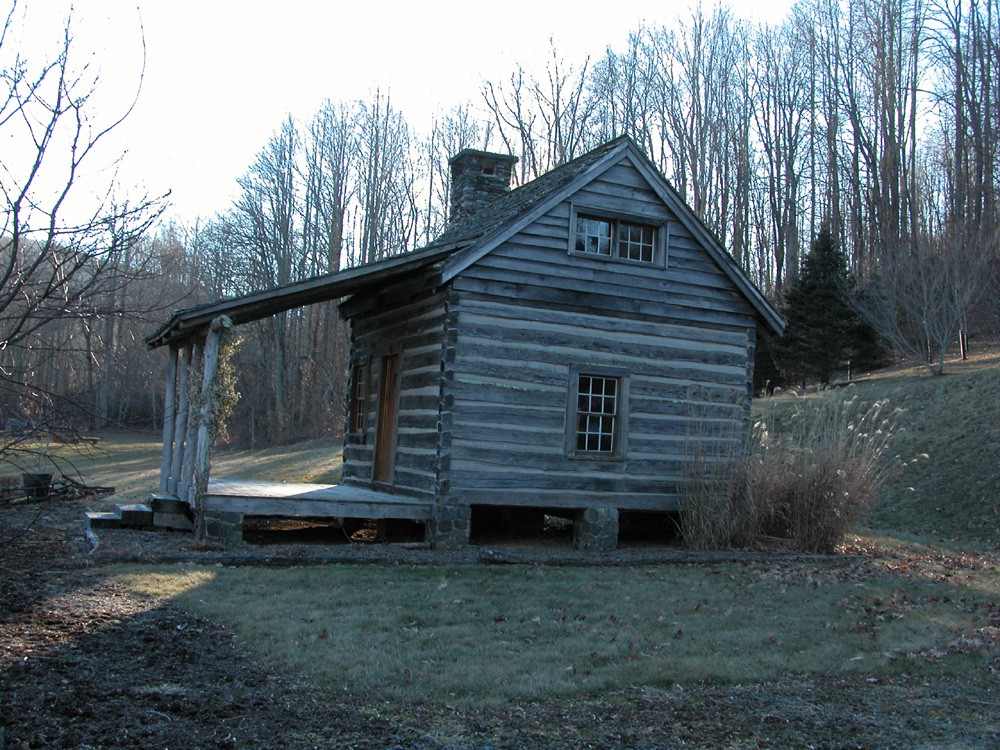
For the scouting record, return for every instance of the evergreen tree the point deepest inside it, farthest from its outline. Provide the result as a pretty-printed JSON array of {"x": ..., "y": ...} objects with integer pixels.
[{"x": 824, "y": 333}]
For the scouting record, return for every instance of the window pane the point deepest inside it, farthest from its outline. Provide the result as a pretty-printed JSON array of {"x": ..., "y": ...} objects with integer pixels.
[
  {"x": 360, "y": 396},
  {"x": 593, "y": 235},
  {"x": 597, "y": 414},
  {"x": 636, "y": 242}
]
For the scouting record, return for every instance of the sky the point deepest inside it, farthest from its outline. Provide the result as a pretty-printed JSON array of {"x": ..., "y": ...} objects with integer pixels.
[{"x": 221, "y": 75}]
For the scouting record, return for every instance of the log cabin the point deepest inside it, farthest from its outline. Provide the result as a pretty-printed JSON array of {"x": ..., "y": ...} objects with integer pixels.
[{"x": 567, "y": 347}]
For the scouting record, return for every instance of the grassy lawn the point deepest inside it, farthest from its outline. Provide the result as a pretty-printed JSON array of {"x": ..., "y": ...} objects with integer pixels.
[
  {"x": 487, "y": 633},
  {"x": 130, "y": 462},
  {"x": 920, "y": 593}
]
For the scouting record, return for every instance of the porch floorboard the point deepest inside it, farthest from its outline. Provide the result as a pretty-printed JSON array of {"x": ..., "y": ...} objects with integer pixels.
[{"x": 258, "y": 498}]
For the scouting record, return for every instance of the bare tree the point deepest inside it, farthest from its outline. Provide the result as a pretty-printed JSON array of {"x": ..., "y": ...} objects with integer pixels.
[
  {"x": 920, "y": 301},
  {"x": 780, "y": 116},
  {"x": 543, "y": 120},
  {"x": 451, "y": 133},
  {"x": 623, "y": 90},
  {"x": 387, "y": 211},
  {"x": 322, "y": 338},
  {"x": 703, "y": 114},
  {"x": 64, "y": 257},
  {"x": 510, "y": 107},
  {"x": 266, "y": 217},
  {"x": 330, "y": 155}
]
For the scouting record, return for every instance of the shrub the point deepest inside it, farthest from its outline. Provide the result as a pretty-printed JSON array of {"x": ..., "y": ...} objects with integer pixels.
[{"x": 804, "y": 481}]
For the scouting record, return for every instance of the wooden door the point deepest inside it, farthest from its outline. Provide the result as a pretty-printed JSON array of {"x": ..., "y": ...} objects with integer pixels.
[{"x": 388, "y": 407}]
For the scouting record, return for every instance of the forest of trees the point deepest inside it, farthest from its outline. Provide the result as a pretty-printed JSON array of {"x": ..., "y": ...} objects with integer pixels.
[{"x": 878, "y": 120}]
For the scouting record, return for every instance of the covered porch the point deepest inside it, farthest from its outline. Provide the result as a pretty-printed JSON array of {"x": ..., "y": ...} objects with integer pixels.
[{"x": 193, "y": 338}]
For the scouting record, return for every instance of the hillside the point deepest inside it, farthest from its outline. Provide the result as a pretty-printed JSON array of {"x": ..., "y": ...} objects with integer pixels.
[{"x": 947, "y": 449}]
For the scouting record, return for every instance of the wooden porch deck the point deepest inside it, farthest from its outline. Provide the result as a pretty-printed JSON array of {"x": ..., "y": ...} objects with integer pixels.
[{"x": 255, "y": 498}]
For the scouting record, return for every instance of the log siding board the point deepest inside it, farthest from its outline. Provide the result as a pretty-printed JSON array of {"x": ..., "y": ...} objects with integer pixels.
[
  {"x": 491, "y": 307},
  {"x": 591, "y": 303},
  {"x": 591, "y": 268},
  {"x": 661, "y": 299},
  {"x": 690, "y": 371},
  {"x": 550, "y": 343},
  {"x": 562, "y": 500},
  {"x": 570, "y": 329}
]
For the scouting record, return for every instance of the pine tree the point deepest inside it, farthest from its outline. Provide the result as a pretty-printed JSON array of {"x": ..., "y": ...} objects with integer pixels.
[{"x": 824, "y": 334}]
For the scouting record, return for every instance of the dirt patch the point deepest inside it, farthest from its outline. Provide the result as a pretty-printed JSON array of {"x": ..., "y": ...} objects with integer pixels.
[{"x": 85, "y": 663}]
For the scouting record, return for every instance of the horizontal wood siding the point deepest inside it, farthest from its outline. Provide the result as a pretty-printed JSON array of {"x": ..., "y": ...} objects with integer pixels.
[
  {"x": 529, "y": 312},
  {"x": 415, "y": 330}
]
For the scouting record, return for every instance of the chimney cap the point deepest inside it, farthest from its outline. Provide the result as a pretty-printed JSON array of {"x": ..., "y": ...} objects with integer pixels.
[{"x": 472, "y": 152}]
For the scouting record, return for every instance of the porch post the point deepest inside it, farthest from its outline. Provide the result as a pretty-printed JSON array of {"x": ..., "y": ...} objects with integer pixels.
[
  {"x": 190, "y": 435},
  {"x": 180, "y": 422},
  {"x": 202, "y": 460},
  {"x": 169, "y": 414}
]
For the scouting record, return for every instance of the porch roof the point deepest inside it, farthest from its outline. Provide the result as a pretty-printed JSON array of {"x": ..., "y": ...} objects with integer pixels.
[{"x": 193, "y": 321}]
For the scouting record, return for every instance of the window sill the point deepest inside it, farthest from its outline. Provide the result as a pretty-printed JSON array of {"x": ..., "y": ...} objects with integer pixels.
[{"x": 608, "y": 458}]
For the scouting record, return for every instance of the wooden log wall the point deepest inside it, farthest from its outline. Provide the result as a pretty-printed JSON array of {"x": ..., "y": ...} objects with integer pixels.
[
  {"x": 529, "y": 312},
  {"x": 414, "y": 329}
]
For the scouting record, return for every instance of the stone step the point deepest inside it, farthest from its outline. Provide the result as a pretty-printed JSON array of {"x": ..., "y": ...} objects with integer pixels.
[
  {"x": 103, "y": 520},
  {"x": 135, "y": 515},
  {"x": 179, "y": 521},
  {"x": 168, "y": 504}
]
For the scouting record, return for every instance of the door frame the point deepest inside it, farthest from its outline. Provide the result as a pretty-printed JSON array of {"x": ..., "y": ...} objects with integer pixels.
[{"x": 384, "y": 459}]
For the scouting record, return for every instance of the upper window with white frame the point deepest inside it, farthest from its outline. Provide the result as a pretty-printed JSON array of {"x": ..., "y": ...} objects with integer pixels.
[{"x": 616, "y": 238}]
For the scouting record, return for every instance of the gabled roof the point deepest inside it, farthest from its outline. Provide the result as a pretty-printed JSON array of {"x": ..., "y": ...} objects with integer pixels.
[
  {"x": 499, "y": 221},
  {"x": 468, "y": 240}
]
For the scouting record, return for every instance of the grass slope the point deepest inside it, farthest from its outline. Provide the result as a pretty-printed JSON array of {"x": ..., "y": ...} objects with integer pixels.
[
  {"x": 950, "y": 440},
  {"x": 946, "y": 484}
]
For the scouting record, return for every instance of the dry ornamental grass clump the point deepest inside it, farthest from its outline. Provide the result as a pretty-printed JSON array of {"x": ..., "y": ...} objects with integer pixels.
[{"x": 803, "y": 482}]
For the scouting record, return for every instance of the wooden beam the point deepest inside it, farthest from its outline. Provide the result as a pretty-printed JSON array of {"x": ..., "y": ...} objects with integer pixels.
[
  {"x": 169, "y": 415},
  {"x": 290, "y": 507},
  {"x": 258, "y": 498},
  {"x": 180, "y": 421},
  {"x": 190, "y": 435}
]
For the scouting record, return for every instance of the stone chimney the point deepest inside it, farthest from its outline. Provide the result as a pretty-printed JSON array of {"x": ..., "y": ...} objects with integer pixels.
[{"x": 477, "y": 178}]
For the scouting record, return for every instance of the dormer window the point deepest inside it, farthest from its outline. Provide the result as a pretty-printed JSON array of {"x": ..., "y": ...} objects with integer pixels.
[{"x": 617, "y": 238}]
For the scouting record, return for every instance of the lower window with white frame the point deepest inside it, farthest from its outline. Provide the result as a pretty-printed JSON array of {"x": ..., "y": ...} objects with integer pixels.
[{"x": 597, "y": 420}]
